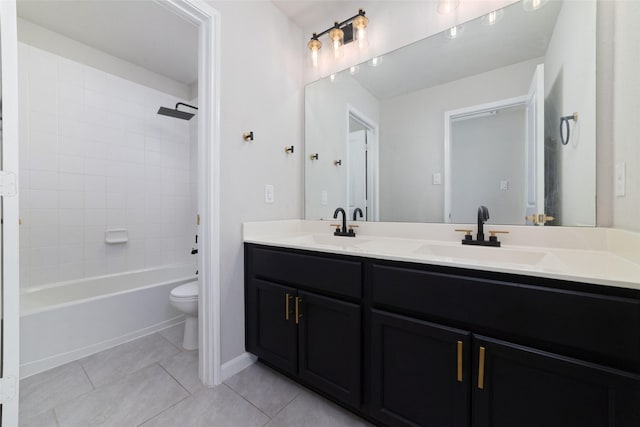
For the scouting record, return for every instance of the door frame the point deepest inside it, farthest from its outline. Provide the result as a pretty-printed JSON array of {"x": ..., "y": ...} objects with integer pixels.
[
  {"x": 10, "y": 215},
  {"x": 462, "y": 113},
  {"x": 207, "y": 19},
  {"x": 372, "y": 168}
]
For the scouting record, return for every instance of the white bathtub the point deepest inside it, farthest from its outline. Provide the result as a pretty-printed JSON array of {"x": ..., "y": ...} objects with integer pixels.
[{"x": 66, "y": 321}]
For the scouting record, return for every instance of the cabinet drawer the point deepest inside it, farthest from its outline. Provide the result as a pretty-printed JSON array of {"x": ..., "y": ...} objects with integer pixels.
[
  {"x": 323, "y": 273},
  {"x": 585, "y": 325}
]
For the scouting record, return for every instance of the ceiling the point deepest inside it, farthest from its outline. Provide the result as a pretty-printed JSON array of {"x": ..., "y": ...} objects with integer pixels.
[{"x": 142, "y": 32}]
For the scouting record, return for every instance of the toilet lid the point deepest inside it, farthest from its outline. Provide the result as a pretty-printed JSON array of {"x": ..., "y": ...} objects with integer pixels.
[{"x": 188, "y": 290}]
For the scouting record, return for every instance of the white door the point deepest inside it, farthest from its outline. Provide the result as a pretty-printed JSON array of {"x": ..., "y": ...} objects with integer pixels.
[
  {"x": 535, "y": 145},
  {"x": 9, "y": 284},
  {"x": 358, "y": 172}
]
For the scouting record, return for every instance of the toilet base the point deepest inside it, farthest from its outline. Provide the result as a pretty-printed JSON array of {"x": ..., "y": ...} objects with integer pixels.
[{"x": 190, "y": 339}]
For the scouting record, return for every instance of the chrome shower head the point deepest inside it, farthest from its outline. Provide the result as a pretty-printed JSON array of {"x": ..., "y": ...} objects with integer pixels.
[{"x": 177, "y": 113}]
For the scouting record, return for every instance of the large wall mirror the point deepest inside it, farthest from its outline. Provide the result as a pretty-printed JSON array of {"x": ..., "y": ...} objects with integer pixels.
[{"x": 467, "y": 117}]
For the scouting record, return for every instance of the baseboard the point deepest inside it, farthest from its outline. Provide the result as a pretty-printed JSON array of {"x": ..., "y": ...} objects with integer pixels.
[
  {"x": 37, "y": 366},
  {"x": 237, "y": 364}
]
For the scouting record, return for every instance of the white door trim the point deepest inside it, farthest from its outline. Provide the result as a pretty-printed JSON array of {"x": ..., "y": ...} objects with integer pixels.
[
  {"x": 373, "y": 158},
  {"x": 10, "y": 235},
  {"x": 460, "y": 114},
  {"x": 208, "y": 21}
]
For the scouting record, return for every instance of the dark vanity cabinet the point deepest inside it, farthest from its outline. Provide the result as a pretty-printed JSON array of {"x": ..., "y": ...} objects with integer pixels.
[
  {"x": 421, "y": 345},
  {"x": 303, "y": 316},
  {"x": 535, "y": 352}
]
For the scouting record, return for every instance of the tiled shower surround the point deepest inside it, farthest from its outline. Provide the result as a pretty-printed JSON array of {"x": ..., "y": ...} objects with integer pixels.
[{"x": 94, "y": 155}]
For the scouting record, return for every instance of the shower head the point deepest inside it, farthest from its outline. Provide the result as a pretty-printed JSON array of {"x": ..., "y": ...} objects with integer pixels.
[{"x": 177, "y": 113}]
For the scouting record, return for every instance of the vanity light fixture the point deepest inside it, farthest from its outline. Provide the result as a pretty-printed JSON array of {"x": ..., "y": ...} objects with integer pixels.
[
  {"x": 531, "y": 5},
  {"x": 492, "y": 18},
  {"x": 341, "y": 33},
  {"x": 447, "y": 6}
]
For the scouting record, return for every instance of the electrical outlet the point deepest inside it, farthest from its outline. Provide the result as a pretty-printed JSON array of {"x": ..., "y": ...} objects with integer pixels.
[
  {"x": 269, "y": 193},
  {"x": 504, "y": 185}
]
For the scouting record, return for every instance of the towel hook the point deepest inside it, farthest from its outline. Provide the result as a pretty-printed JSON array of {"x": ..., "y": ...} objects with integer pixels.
[{"x": 564, "y": 123}]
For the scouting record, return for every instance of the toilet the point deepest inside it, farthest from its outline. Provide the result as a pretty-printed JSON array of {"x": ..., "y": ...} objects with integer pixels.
[{"x": 185, "y": 299}]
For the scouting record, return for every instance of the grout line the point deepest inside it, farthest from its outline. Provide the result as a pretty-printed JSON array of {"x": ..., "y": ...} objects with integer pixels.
[
  {"x": 167, "y": 339},
  {"x": 247, "y": 400},
  {"x": 164, "y": 410},
  {"x": 87, "y": 375},
  {"x": 174, "y": 378},
  {"x": 291, "y": 401}
]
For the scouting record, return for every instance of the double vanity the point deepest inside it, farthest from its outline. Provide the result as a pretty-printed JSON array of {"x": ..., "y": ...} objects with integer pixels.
[{"x": 406, "y": 326}]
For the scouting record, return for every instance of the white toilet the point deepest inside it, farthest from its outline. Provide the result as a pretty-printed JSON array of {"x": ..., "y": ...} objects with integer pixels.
[{"x": 185, "y": 299}]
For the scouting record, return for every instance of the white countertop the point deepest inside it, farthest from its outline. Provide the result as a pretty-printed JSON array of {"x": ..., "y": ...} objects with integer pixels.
[{"x": 602, "y": 256}]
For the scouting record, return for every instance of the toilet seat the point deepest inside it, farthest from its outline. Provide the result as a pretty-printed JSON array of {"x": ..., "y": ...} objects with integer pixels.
[{"x": 186, "y": 291}]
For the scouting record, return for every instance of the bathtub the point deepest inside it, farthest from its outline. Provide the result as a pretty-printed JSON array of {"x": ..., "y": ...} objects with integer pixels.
[{"x": 66, "y": 321}]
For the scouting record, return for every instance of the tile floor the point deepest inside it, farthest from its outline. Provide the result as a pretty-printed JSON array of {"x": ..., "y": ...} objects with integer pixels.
[{"x": 152, "y": 382}]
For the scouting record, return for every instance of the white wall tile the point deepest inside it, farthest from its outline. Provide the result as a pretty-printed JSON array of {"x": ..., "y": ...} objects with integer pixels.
[
  {"x": 44, "y": 199},
  {"x": 70, "y": 164},
  {"x": 94, "y": 154},
  {"x": 44, "y": 180},
  {"x": 71, "y": 199}
]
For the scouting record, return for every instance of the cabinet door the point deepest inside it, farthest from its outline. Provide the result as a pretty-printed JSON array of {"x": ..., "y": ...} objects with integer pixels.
[
  {"x": 520, "y": 386},
  {"x": 270, "y": 335},
  {"x": 329, "y": 350},
  {"x": 420, "y": 372}
]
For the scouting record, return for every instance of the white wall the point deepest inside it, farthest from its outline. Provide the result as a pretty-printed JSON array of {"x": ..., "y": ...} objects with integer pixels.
[
  {"x": 261, "y": 92},
  {"x": 37, "y": 36},
  {"x": 570, "y": 86},
  {"x": 626, "y": 111},
  {"x": 95, "y": 155},
  {"x": 327, "y": 133},
  {"x": 412, "y": 135}
]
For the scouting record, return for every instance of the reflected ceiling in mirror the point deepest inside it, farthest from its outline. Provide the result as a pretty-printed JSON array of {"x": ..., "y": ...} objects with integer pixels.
[{"x": 404, "y": 171}]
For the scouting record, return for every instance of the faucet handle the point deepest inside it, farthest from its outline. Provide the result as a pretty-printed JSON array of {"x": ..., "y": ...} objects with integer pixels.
[
  {"x": 467, "y": 232},
  {"x": 492, "y": 233},
  {"x": 335, "y": 225}
]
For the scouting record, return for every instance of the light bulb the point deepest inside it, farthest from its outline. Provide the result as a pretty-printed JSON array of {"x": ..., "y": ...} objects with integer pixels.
[
  {"x": 332, "y": 77},
  {"x": 493, "y": 17},
  {"x": 454, "y": 32},
  {"x": 314, "y": 46},
  {"x": 531, "y": 5},
  {"x": 375, "y": 61},
  {"x": 360, "y": 25},
  {"x": 447, "y": 6},
  {"x": 353, "y": 69},
  {"x": 337, "y": 37}
]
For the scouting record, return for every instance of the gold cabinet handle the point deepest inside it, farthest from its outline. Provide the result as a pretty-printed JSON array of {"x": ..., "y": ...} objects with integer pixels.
[
  {"x": 298, "y": 315},
  {"x": 481, "y": 368},
  {"x": 459, "y": 361},
  {"x": 287, "y": 297}
]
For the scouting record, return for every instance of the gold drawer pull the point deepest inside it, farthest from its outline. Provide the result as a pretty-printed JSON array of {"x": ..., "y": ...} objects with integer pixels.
[
  {"x": 287, "y": 297},
  {"x": 481, "y": 369},
  {"x": 459, "y": 361},
  {"x": 298, "y": 315}
]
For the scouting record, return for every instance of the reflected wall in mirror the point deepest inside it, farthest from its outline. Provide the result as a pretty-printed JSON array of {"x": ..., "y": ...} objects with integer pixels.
[{"x": 426, "y": 161}]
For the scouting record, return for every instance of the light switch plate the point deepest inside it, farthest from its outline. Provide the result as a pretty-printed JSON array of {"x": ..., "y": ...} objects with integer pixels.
[
  {"x": 437, "y": 178},
  {"x": 504, "y": 185},
  {"x": 620, "y": 179},
  {"x": 268, "y": 193}
]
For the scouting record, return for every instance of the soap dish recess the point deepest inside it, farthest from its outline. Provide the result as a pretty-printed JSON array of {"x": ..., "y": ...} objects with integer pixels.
[{"x": 116, "y": 235}]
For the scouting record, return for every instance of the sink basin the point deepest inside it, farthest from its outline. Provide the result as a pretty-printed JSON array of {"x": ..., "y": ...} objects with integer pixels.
[
  {"x": 326, "y": 240},
  {"x": 481, "y": 254},
  {"x": 391, "y": 246}
]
